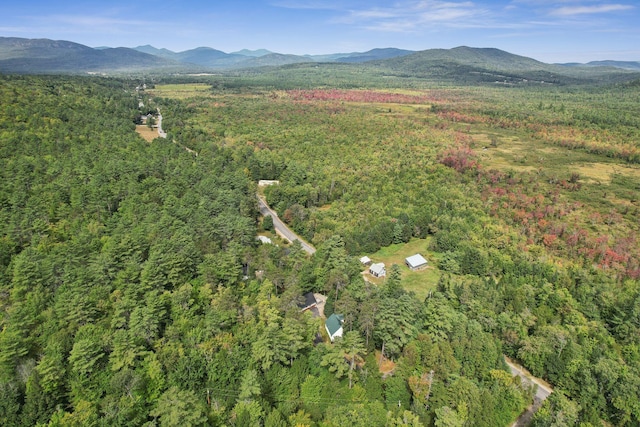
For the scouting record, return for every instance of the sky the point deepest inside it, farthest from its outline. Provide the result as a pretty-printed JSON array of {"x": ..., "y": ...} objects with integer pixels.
[{"x": 546, "y": 30}]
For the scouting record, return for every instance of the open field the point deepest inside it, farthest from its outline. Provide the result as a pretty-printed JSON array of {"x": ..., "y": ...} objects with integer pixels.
[
  {"x": 181, "y": 91},
  {"x": 535, "y": 155},
  {"x": 419, "y": 282},
  {"x": 146, "y": 132}
]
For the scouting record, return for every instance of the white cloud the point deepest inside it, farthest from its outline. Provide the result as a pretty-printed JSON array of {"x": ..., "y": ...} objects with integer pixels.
[
  {"x": 94, "y": 21},
  {"x": 16, "y": 30},
  {"x": 88, "y": 24},
  {"x": 374, "y": 14},
  {"x": 552, "y": 2},
  {"x": 409, "y": 16},
  {"x": 309, "y": 4},
  {"x": 585, "y": 10}
]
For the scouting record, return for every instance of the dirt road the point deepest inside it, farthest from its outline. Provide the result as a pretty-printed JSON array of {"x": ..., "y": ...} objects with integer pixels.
[
  {"x": 543, "y": 391},
  {"x": 281, "y": 228},
  {"x": 161, "y": 133}
]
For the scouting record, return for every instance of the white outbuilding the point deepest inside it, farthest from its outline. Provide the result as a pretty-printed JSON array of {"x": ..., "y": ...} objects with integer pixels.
[
  {"x": 377, "y": 270},
  {"x": 265, "y": 240},
  {"x": 416, "y": 262}
]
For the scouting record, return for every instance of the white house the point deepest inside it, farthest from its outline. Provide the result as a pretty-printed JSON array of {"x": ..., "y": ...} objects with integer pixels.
[
  {"x": 266, "y": 182},
  {"x": 416, "y": 262},
  {"x": 333, "y": 325},
  {"x": 377, "y": 270},
  {"x": 365, "y": 260}
]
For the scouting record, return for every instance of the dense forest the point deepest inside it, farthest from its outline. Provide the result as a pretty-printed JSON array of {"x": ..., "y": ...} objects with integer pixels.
[{"x": 133, "y": 290}]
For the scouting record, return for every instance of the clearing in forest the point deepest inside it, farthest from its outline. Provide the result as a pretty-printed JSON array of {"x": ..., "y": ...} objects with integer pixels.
[
  {"x": 181, "y": 91},
  {"x": 146, "y": 132},
  {"x": 419, "y": 282}
]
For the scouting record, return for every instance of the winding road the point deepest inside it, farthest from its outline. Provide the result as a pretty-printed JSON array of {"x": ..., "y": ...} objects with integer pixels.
[
  {"x": 542, "y": 392},
  {"x": 281, "y": 228}
]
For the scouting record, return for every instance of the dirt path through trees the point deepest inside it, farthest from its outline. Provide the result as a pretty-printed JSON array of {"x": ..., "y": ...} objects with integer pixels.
[
  {"x": 542, "y": 392},
  {"x": 281, "y": 228}
]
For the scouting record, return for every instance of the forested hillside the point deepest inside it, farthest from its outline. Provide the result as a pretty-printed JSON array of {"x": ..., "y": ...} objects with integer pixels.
[
  {"x": 110, "y": 254},
  {"x": 133, "y": 290}
]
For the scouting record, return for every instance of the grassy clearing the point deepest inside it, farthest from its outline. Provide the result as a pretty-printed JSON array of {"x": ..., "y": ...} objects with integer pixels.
[
  {"x": 506, "y": 149},
  {"x": 181, "y": 91},
  {"x": 598, "y": 175},
  {"x": 145, "y": 132},
  {"x": 604, "y": 172},
  {"x": 522, "y": 153},
  {"x": 419, "y": 282}
]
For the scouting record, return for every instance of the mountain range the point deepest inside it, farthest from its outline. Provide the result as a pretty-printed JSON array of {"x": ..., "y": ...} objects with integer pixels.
[
  {"x": 19, "y": 55},
  {"x": 209, "y": 57}
]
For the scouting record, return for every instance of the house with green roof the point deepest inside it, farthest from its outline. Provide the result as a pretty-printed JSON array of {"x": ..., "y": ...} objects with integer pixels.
[{"x": 333, "y": 325}]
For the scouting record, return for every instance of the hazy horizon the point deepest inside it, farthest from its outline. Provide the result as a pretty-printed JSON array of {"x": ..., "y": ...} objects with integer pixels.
[{"x": 549, "y": 31}]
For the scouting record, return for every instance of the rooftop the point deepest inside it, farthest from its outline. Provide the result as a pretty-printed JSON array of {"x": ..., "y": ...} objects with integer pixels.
[
  {"x": 415, "y": 261},
  {"x": 309, "y": 300},
  {"x": 377, "y": 268},
  {"x": 334, "y": 323}
]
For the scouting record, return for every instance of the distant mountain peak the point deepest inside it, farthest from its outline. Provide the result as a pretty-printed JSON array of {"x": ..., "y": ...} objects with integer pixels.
[
  {"x": 626, "y": 65},
  {"x": 164, "y": 53},
  {"x": 202, "y": 49},
  {"x": 253, "y": 53},
  {"x": 44, "y": 55},
  {"x": 374, "y": 54}
]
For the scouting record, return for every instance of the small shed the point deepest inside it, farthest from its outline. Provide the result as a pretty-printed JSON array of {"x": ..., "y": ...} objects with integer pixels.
[
  {"x": 416, "y": 262},
  {"x": 333, "y": 325},
  {"x": 267, "y": 182},
  {"x": 377, "y": 270},
  {"x": 265, "y": 240},
  {"x": 365, "y": 260}
]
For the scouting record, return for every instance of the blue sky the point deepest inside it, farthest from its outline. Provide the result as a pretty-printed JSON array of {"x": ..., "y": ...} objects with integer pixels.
[{"x": 547, "y": 30}]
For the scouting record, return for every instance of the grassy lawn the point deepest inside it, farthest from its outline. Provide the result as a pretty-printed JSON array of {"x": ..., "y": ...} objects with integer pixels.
[{"x": 419, "y": 282}]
